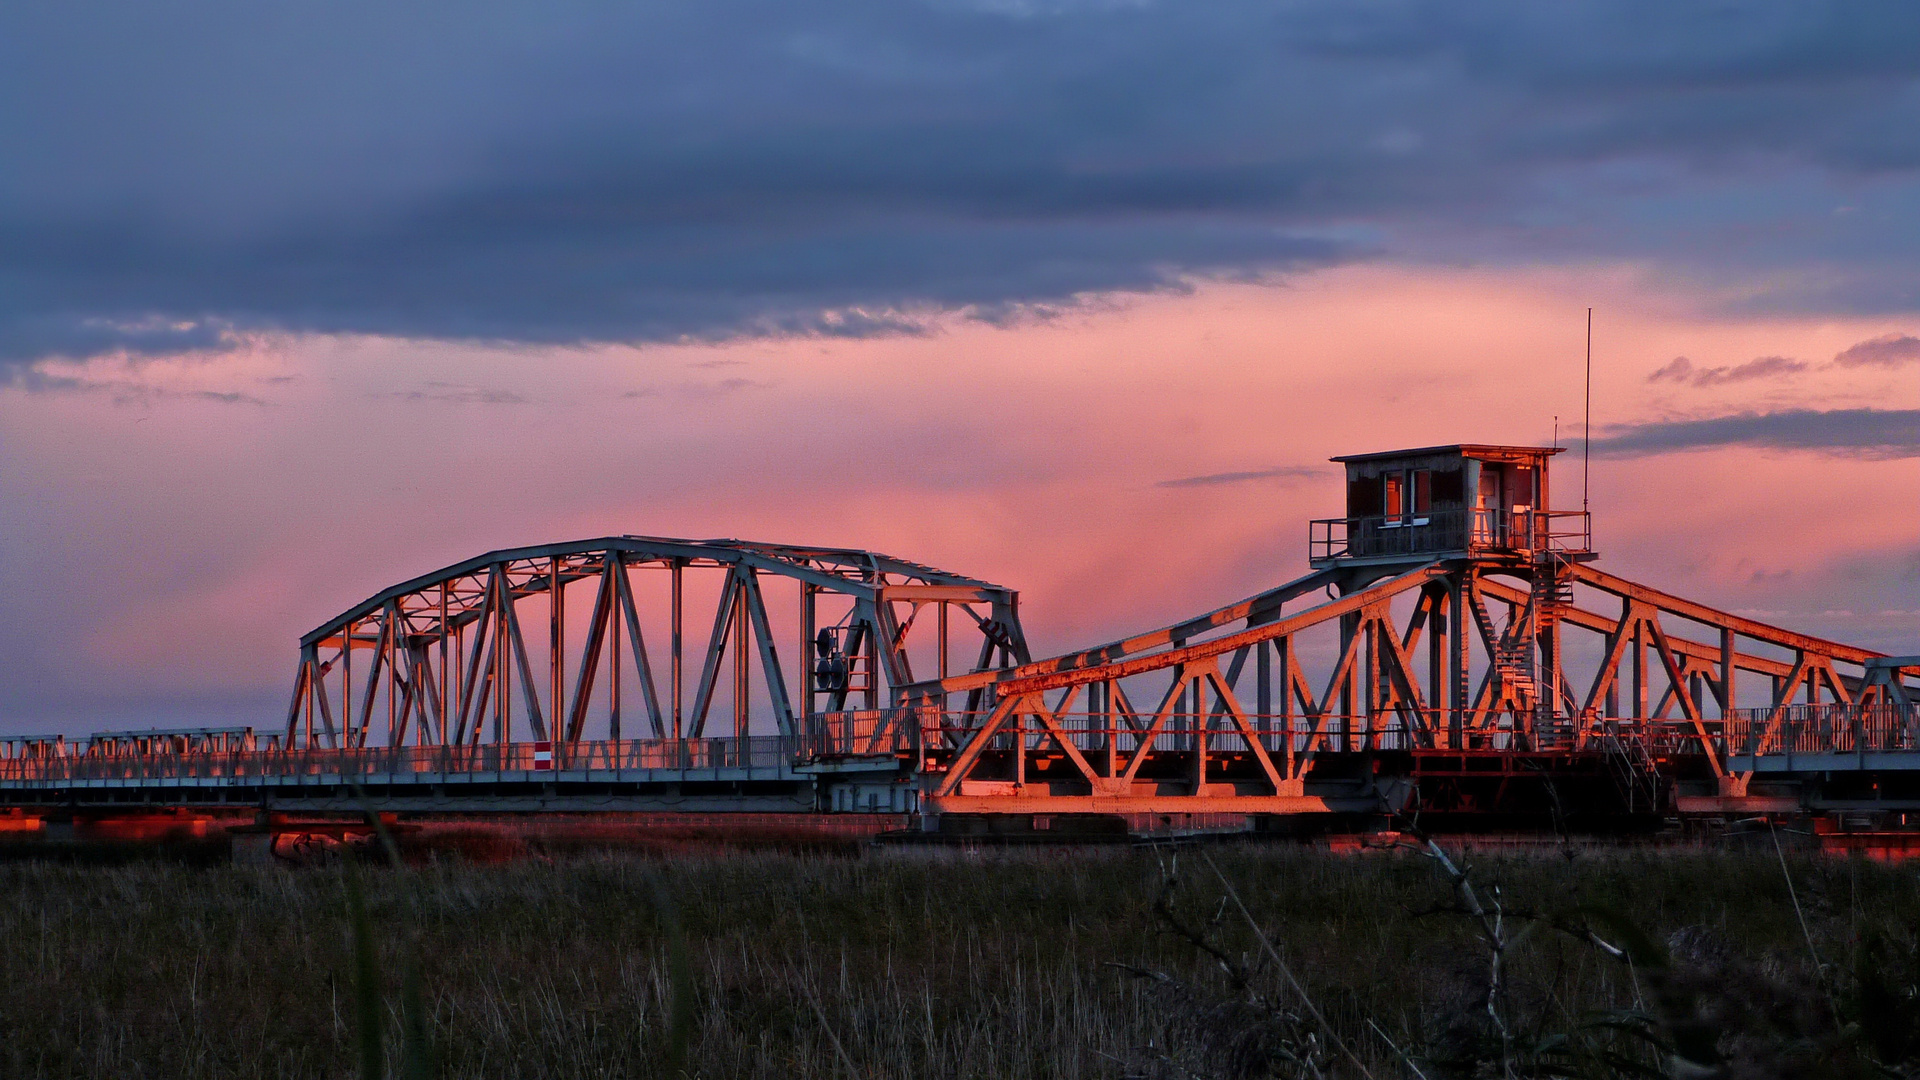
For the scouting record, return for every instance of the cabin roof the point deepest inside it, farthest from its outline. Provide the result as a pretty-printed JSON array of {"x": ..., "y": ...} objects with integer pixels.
[{"x": 1471, "y": 450}]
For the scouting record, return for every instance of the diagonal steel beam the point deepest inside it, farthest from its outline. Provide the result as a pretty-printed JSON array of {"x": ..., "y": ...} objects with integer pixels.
[
  {"x": 1324, "y": 612},
  {"x": 769, "y": 656},
  {"x": 969, "y": 753},
  {"x": 1181, "y": 677},
  {"x": 1247, "y": 732},
  {"x": 597, "y": 623},
  {"x": 637, "y": 644},
  {"x": 716, "y": 648}
]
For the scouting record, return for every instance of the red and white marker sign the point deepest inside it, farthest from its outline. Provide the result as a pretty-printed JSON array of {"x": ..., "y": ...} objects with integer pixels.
[{"x": 543, "y": 755}]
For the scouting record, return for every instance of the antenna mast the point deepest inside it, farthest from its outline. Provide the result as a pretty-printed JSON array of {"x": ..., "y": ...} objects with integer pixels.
[{"x": 1586, "y": 422}]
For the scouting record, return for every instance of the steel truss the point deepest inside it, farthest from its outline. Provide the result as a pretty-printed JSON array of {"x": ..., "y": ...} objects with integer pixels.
[
  {"x": 446, "y": 653},
  {"x": 1368, "y": 684},
  {"x": 1479, "y": 663}
]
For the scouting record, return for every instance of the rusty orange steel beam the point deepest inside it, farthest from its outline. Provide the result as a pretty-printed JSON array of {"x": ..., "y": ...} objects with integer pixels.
[
  {"x": 1687, "y": 609},
  {"x": 1332, "y": 609},
  {"x": 1252, "y": 608},
  {"x": 1605, "y": 624}
]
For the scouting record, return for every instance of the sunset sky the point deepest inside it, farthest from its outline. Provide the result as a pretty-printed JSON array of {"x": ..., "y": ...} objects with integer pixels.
[{"x": 299, "y": 300}]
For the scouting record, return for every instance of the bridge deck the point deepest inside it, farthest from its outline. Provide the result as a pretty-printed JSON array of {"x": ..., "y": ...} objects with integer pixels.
[
  {"x": 764, "y": 773},
  {"x": 881, "y": 761}
]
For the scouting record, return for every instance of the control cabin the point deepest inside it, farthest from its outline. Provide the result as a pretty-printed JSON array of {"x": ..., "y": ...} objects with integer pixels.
[{"x": 1439, "y": 501}]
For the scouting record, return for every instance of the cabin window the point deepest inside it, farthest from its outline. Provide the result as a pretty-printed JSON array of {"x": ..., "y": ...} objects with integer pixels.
[
  {"x": 1520, "y": 487},
  {"x": 1488, "y": 497},
  {"x": 1489, "y": 523},
  {"x": 1363, "y": 496},
  {"x": 1406, "y": 496}
]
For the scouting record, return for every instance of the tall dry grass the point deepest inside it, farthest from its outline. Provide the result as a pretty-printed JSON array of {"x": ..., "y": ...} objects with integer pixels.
[{"x": 932, "y": 964}]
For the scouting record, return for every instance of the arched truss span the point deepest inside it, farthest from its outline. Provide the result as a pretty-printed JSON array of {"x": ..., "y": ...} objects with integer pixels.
[
  {"x": 1234, "y": 706},
  {"x": 490, "y": 650}
]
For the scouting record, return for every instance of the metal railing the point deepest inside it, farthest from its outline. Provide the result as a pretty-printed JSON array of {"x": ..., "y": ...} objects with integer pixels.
[
  {"x": 853, "y": 733},
  {"x": 1824, "y": 729},
  {"x": 1398, "y": 730},
  {"x": 864, "y": 732},
  {"x": 1449, "y": 530},
  {"x": 766, "y": 752},
  {"x": 928, "y": 732}
]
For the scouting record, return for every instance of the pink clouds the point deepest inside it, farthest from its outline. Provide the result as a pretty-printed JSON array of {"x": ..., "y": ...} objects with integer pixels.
[
  {"x": 1887, "y": 350},
  {"x": 168, "y": 544}
]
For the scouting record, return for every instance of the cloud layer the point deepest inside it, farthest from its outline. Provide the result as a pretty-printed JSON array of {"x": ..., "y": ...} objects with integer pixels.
[
  {"x": 1281, "y": 473},
  {"x": 1890, "y": 350},
  {"x": 652, "y": 172},
  {"x": 1681, "y": 370},
  {"x": 1886, "y": 351},
  {"x": 1872, "y": 433},
  {"x": 1124, "y": 466}
]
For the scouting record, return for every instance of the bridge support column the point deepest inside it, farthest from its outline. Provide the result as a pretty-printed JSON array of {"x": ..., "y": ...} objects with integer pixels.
[{"x": 1459, "y": 671}]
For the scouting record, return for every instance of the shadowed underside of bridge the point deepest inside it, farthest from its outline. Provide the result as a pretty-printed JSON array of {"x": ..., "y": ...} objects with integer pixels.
[{"x": 1454, "y": 653}]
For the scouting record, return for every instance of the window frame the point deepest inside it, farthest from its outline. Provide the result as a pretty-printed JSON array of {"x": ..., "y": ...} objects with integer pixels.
[{"x": 1393, "y": 498}]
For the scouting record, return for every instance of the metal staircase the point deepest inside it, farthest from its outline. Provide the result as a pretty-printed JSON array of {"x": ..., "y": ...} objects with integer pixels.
[
  {"x": 1512, "y": 652},
  {"x": 1552, "y": 590},
  {"x": 1549, "y": 594},
  {"x": 1516, "y": 655}
]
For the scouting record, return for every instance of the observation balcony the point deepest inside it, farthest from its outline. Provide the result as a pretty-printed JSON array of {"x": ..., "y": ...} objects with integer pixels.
[{"x": 1521, "y": 534}]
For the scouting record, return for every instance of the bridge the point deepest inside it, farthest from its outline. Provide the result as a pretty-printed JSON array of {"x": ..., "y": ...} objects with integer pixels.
[{"x": 1454, "y": 652}]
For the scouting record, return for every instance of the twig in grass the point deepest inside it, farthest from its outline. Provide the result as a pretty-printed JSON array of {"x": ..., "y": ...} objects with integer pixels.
[
  {"x": 1794, "y": 895},
  {"x": 1138, "y": 972},
  {"x": 1819, "y": 969},
  {"x": 1285, "y": 971},
  {"x": 814, "y": 1000},
  {"x": 1492, "y": 927},
  {"x": 1395, "y": 1047},
  {"x": 1163, "y": 907},
  {"x": 1576, "y": 930}
]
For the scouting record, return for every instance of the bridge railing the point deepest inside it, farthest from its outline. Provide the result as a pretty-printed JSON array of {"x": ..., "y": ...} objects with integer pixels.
[
  {"x": 1407, "y": 729},
  {"x": 865, "y": 732},
  {"x": 1828, "y": 728},
  {"x": 769, "y": 752},
  {"x": 1449, "y": 530}
]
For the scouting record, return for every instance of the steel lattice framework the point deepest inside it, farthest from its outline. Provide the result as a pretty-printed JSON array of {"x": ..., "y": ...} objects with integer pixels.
[
  {"x": 1477, "y": 664},
  {"x": 447, "y": 655},
  {"x": 1453, "y": 650}
]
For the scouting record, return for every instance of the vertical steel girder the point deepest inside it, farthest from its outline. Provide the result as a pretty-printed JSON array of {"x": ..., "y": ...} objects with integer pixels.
[{"x": 444, "y": 651}]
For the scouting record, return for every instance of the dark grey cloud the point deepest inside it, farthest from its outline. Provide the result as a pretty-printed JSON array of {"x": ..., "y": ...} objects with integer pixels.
[
  {"x": 1681, "y": 370},
  {"x": 126, "y": 390},
  {"x": 1890, "y": 350},
  {"x": 461, "y": 394},
  {"x": 699, "y": 391},
  {"x": 1284, "y": 472},
  {"x": 656, "y": 172},
  {"x": 1873, "y": 433}
]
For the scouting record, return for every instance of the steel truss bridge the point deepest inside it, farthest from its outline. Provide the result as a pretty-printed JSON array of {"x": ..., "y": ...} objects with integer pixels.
[{"x": 1471, "y": 666}]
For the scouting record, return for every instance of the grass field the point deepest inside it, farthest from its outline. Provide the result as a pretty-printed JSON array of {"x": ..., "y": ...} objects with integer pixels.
[{"x": 950, "y": 964}]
